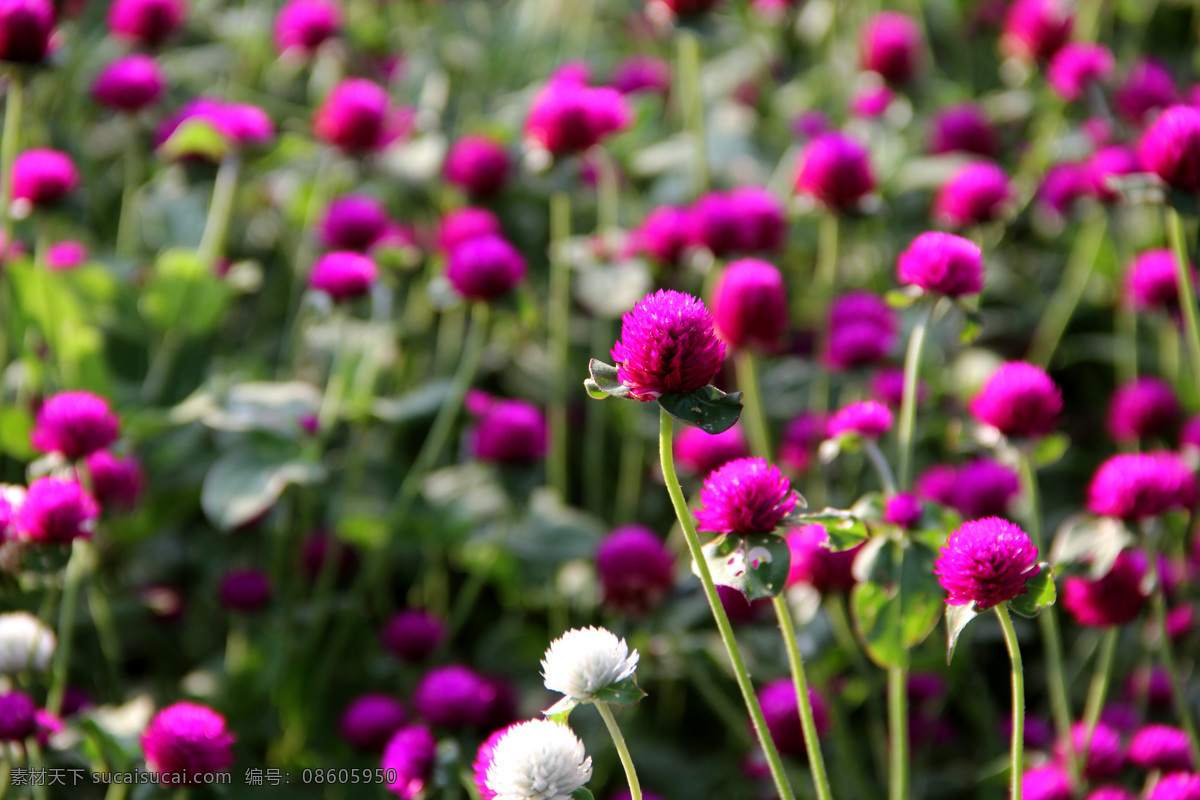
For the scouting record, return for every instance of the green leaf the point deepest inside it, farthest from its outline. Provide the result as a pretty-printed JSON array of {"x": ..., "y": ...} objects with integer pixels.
[
  {"x": 561, "y": 710},
  {"x": 183, "y": 294},
  {"x": 1039, "y": 593},
  {"x": 1096, "y": 541},
  {"x": 1186, "y": 203},
  {"x": 15, "y": 425},
  {"x": 244, "y": 483},
  {"x": 1051, "y": 449},
  {"x": 623, "y": 693},
  {"x": 899, "y": 603},
  {"x": 957, "y": 618},
  {"x": 582, "y": 793},
  {"x": 604, "y": 381},
  {"x": 972, "y": 326},
  {"x": 845, "y": 529},
  {"x": 756, "y": 564},
  {"x": 708, "y": 409},
  {"x": 196, "y": 137},
  {"x": 903, "y": 298}
]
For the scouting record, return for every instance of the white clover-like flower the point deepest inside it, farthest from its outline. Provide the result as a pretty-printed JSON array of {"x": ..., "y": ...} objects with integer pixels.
[
  {"x": 583, "y": 661},
  {"x": 25, "y": 643},
  {"x": 538, "y": 760}
]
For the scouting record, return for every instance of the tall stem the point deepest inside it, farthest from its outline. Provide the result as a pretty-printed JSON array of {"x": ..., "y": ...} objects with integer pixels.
[
  {"x": 635, "y": 787},
  {"x": 127, "y": 223},
  {"x": 667, "y": 459},
  {"x": 1018, "y": 701},
  {"x": 8, "y": 153},
  {"x": 1099, "y": 688},
  {"x": 812, "y": 744},
  {"x": 825, "y": 281},
  {"x": 882, "y": 469},
  {"x": 1063, "y": 302},
  {"x": 76, "y": 566},
  {"x": 908, "y": 403},
  {"x": 1187, "y": 292},
  {"x": 559, "y": 329},
  {"x": 756, "y": 423},
  {"x": 897, "y": 693},
  {"x": 219, "y": 212},
  {"x": 1125, "y": 323},
  {"x": 1158, "y": 603},
  {"x": 691, "y": 99}
]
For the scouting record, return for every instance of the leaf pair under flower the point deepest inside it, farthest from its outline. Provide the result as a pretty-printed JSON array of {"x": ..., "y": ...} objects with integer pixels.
[
  {"x": 707, "y": 408},
  {"x": 1039, "y": 593}
]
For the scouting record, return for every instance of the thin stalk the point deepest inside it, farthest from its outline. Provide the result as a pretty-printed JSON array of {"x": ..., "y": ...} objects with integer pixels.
[
  {"x": 667, "y": 459},
  {"x": 76, "y": 567},
  {"x": 897, "y": 695},
  {"x": 127, "y": 240},
  {"x": 608, "y": 195},
  {"x": 1018, "y": 701},
  {"x": 37, "y": 768},
  {"x": 1187, "y": 292},
  {"x": 1098, "y": 689},
  {"x": 756, "y": 422},
  {"x": 219, "y": 211},
  {"x": 691, "y": 98},
  {"x": 106, "y": 629},
  {"x": 825, "y": 280},
  {"x": 812, "y": 744},
  {"x": 882, "y": 469},
  {"x": 9, "y": 142},
  {"x": 635, "y": 787},
  {"x": 629, "y": 476},
  {"x": 1066, "y": 297},
  {"x": 908, "y": 404},
  {"x": 1125, "y": 324},
  {"x": 335, "y": 382},
  {"x": 559, "y": 330},
  {"x": 1158, "y": 602}
]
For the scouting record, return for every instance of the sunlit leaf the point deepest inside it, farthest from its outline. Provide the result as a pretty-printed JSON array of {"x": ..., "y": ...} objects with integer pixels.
[
  {"x": 756, "y": 565},
  {"x": 1039, "y": 593},
  {"x": 708, "y": 409}
]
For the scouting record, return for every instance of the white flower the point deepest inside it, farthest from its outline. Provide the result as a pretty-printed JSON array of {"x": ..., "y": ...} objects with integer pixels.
[
  {"x": 25, "y": 643},
  {"x": 583, "y": 661},
  {"x": 538, "y": 760}
]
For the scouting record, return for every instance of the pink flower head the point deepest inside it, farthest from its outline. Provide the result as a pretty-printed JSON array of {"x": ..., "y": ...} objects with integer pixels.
[
  {"x": 1189, "y": 434},
  {"x": 452, "y": 696},
  {"x": 1176, "y": 786},
  {"x": 410, "y": 755},
  {"x": 801, "y": 437},
  {"x": 937, "y": 484},
  {"x": 245, "y": 590},
  {"x": 26, "y": 27},
  {"x": 811, "y": 124},
  {"x": 836, "y": 171},
  {"x": 635, "y": 568},
  {"x": 887, "y": 385},
  {"x": 815, "y": 564},
  {"x": 478, "y": 165},
  {"x": 1036, "y": 29},
  {"x": 1105, "y": 753},
  {"x": 117, "y": 481},
  {"x": 463, "y": 224},
  {"x": 942, "y": 263},
  {"x": 42, "y": 177},
  {"x": 740, "y": 610},
  {"x": 75, "y": 424},
  {"x": 130, "y": 83},
  {"x": 749, "y": 304},
  {"x": 1049, "y": 782},
  {"x": 1142, "y": 408},
  {"x": 761, "y": 217},
  {"x": 667, "y": 345},
  {"x": 986, "y": 562},
  {"x": 891, "y": 45},
  {"x": 685, "y": 8},
  {"x": 1138, "y": 485},
  {"x": 1019, "y": 400},
  {"x": 1151, "y": 282},
  {"x": 1170, "y": 148},
  {"x": 241, "y": 124},
  {"x": 714, "y": 222},
  {"x": 569, "y": 117},
  {"x": 343, "y": 275},
  {"x": 484, "y": 268},
  {"x": 904, "y": 510},
  {"x": 781, "y": 709},
  {"x": 638, "y": 74},
  {"x": 983, "y": 488},
  {"x": 146, "y": 22},
  {"x": 66, "y": 255},
  {"x": 976, "y": 193},
  {"x": 745, "y": 496},
  {"x": 55, "y": 511},
  {"x": 301, "y": 26},
  {"x": 507, "y": 431},
  {"x": 18, "y": 716},
  {"x": 321, "y": 548},
  {"x": 483, "y": 761},
  {"x": 358, "y": 117},
  {"x": 413, "y": 635},
  {"x": 1076, "y": 66},
  {"x": 1063, "y": 185},
  {"x": 700, "y": 452},
  {"x": 353, "y": 222},
  {"x": 1114, "y": 599},
  {"x": 867, "y": 418},
  {"x": 371, "y": 720},
  {"x": 186, "y": 739},
  {"x": 1111, "y": 162},
  {"x": 862, "y": 329},
  {"x": 962, "y": 129},
  {"x": 665, "y": 234},
  {"x": 1161, "y": 747},
  {"x": 1112, "y": 793},
  {"x": 871, "y": 102},
  {"x": 1149, "y": 86}
]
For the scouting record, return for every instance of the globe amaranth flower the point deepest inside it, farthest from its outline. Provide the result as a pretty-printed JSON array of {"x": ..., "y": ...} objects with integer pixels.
[
  {"x": 867, "y": 418},
  {"x": 801, "y": 437},
  {"x": 484, "y": 268},
  {"x": 975, "y": 194},
  {"x": 117, "y": 481},
  {"x": 1019, "y": 400},
  {"x": 27, "y": 27},
  {"x": 871, "y": 101},
  {"x": 322, "y": 550},
  {"x": 568, "y": 116},
  {"x": 75, "y": 424},
  {"x": 904, "y": 510},
  {"x": 56, "y": 511},
  {"x": 665, "y": 234},
  {"x": 685, "y": 8},
  {"x": 353, "y": 222},
  {"x": 358, "y": 117},
  {"x": 1111, "y": 793},
  {"x": 185, "y": 740},
  {"x": 18, "y": 716},
  {"x": 1161, "y": 747},
  {"x": 66, "y": 255},
  {"x": 635, "y": 568},
  {"x": 1078, "y": 65},
  {"x": 1114, "y": 599},
  {"x": 240, "y": 125},
  {"x": 410, "y": 755},
  {"x": 942, "y": 263},
  {"x": 861, "y": 330},
  {"x": 1108, "y": 163},
  {"x": 983, "y": 488},
  {"x": 478, "y": 165},
  {"x": 1142, "y": 408},
  {"x": 130, "y": 83},
  {"x": 1062, "y": 186},
  {"x": 761, "y": 218},
  {"x": 1148, "y": 87},
  {"x": 463, "y": 224},
  {"x": 638, "y": 74},
  {"x": 891, "y": 44},
  {"x": 1170, "y": 148},
  {"x": 413, "y": 635},
  {"x": 836, "y": 171},
  {"x": 962, "y": 128},
  {"x": 937, "y": 484},
  {"x": 1152, "y": 283},
  {"x": 301, "y": 26},
  {"x": 507, "y": 431},
  {"x": 1049, "y": 782},
  {"x": 483, "y": 761},
  {"x": 667, "y": 345},
  {"x": 26, "y": 644},
  {"x": 782, "y": 712},
  {"x": 245, "y": 590},
  {"x": 1150, "y": 687},
  {"x": 452, "y": 696},
  {"x": 811, "y": 124},
  {"x": 1105, "y": 753},
  {"x": 538, "y": 760},
  {"x": 583, "y": 661},
  {"x": 749, "y": 304},
  {"x": 986, "y": 562},
  {"x": 343, "y": 275},
  {"x": 814, "y": 564},
  {"x": 42, "y": 177},
  {"x": 145, "y": 22},
  {"x": 1036, "y": 29},
  {"x": 745, "y": 496},
  {"x": 371, "y": 720},
  {"x": 1134, "y": 486},
  {"x": 1176, "y": 786}
]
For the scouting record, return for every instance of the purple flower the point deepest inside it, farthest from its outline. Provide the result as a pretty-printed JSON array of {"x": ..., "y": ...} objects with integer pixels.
[
  {"x": 464, "y": 224},
  {"x": 75, "y": 424},
  {"x": 975, "y": 194},
  {"x": 1138, "y": 485},
  {"x": 836, "y": 171},
  {"x": 782, "y": 712},
  {"x": 1111, "y": 162},
  {"x": 452, "y": 696},
  {"x": 1170, "y": 148},
  {"x": 986, "y": 562},
  {"x": 240, "y": 124},
  {"x": 130, "y": 83},
  {"x": 320, "y": 548},
  {"x": 1112, "y": 793},
  {"x": 1142, "y": 408},
  {"x": 983, "y": 488},
  {"x": 343, "y": 275},
  {"x": 815, "y": 564},
  {"x": 371, "y": 720},
  {"x": 811, "y": 124},
  {"x": 890, "y": 45},
  {"x": 353, "y": 222},
  {"x": 1123, "y": 716},
  {"x": 478, "y": 165},
  {"x": 1149, "y": 86},
  {"x": 937, "y": 484},
  {"x": 871, "y": 102},
  {"x": 745, "y": 496},
  {"x": 66, "y": 255},
  {"x": 638, "y": 74},
  {"x": 1036, "y": 29},
  {"x": 301, "y": 26},
  {"x": 700, "y": 452},
  {"x": 245, "y": 590},
  {"x": 413, "y": 635},
  {"x": 1105, "y": 755},
  {"x": 1078, "y": 65},
  {"x": 483, "y": 762},
  {"x": 1151, "y": 281},
  {"x": 410, "y": 755},
  {"x": 1176, "y": 786},
  {"x": 801, "y": 437},
  {"x": 186, "y": 739},
  {"x": 962, "y": 129},
  {"x": 1049, "y": 782},
  {"x": 1114, "y": 599},
  {"x": 667, "y": 345},
  {"x": 18, "y": 716},
  {"x": 145, "y": 22},
  {"x": 686, "y": 8},
  {"x": 26, "y": 27},
  {"x": 357, "y": 117},
  {"x": 740, "y": 610},
  {"x": 635, "y": 568},
  {"x": 1063, "y": 185},
  {"x": 887, "y": 385},
  {"x": 867, "y": 418},
  {"x": 942, "y": 263},
  {"x": 55, "y": 511},
  {"x": 117, "y": 481},
  {"x": 507, "y": 431},
  {"x": 1161, "y": 747},
  {"x": 568, "y": 116},
  {"x": 484, "y": 268},
  {"x": 749, "y": 304},
  {"x": 761, "y": 217},
  {"x": 1189, "y": 434},
  {"x": 861, "y": 330},
  {"x": 42, "y": 177},
  {"x": 714, "y": 223},
  {"x": 665, "y": 234},
  {"x": 1019, "y": 400},
  {"x": 904, "y": 510},
  {"x": 925, "y": 688}
]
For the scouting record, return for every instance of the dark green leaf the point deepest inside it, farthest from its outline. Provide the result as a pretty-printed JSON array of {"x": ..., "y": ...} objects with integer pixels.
[
  {"x": 244, "y": 483},
  {"x": 899, "y": 601},
  {"x": 1186, "y": 203},
  {"x": 844, "y": 528},
  {"x": 756, "y": 565},
  {"x": 604, "y": 380},
  {"x": 183, "y": 294},
  {"x": 15, "y": 425},
  {"x": 622, "y": 693},
  {"x": 582, "y": 793},
  {"x": 957, "y": 618},
  {"x": 1039, "y": 593},
  {"x": 708, "y": 409}
]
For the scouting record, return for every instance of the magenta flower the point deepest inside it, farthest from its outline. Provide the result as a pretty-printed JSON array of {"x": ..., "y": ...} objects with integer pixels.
[
  {"x": 353, "y": 222},
  {"x": 507, "y": 431},
  {"x": 887, "y": 385},
  {"x": 130, "y": 83},
  {"x": 1149, "y": 86},
  {"x": 986, "y": 562},
  {"x": 782, "y": 712},
  {"x": 1176, "y": 786},
  {"x": 320, "y": 548},
  {"x": 245, "y": 590},
  {"x": 1049, "y": 782},
  {"x": 1170, "y": 148},
  {"x": 761, "y": 217},
  {"x": 343, "y": 275},
  {"x": 749, "y": 304},
  {"x": 358, "y": 117},
  {"x": 18, "y": 716},
  {"x": 811, "y": 124},
  {"x": 484, "y": 268},
  {"x": 1189, "y": 437},
  {"x": 1142, "y": 408},
  {"x": 686, "y": 8},
  {"x": 871, "y": 102},
  {"x": 452, "y": 696},
  {"x": 638, "y": 74},
  {"x": 75, "y": 424},
  {"x": 862, "y": 329},
  {"x": 636, "y": 570},
  {"x": 962, "y": 129},
  {"x": 942, "y": 263},
  {"x": 665, "y": 234},
  {"x": 371, "y": 720},
  {"x": 1019, "y": 400},
  {"x": 240, "y": 124},
  {"x": 42, "y": 177},
  {"x": 667, "y": 345},
  {"x": 56, "y": 511},
  {"x": 1063, "y": 185},
  {"x": 483, "y": 762},
  {"x": 801, "y": 436},
  {"x": 1161, "y": 747},
  {"x": 836, "y": 171},
  {"x": 1112, "y": 793},
  {"x": 413, "y": 635},
  {"x": 815, "y": 564},
  {"x": 700, "y": 452},
  {"x": 745, "y": 496},
  {"x": 186, "y": 739},
  {"x": 1134, "y": 486},
  {"x": 66, "y": 255},
  {"x": 937, "y": 484},
  {"x": 983, "y": 488},
  {"x": 1151, "y": 282},
  {"x": 301, "y": 26},
  {"x": 904, "y": 510},
  {"x": 410, "y": 755},
  {"x": 145, "y": 22},
  {"x": 568, "y": 116},
  {"x": 975, "y": 194},
  {"x": 478, "y": 165},
  {"x": 1078, "y": 65},
  {"x": 1035, "y": 29},
  {"x": 890, "y": 44},
  {"x": 1105, "y": 753},
  {"x": 117, "y": 481},
  {"x": 464, "y": 224},
  {"x": 714, "y": 223},
  {"x": 1114, "y": 599},
  {"x": 867, "y": 418},
  {"x": 27, "y": 27},
  {"x": 1111, "y": 162}
]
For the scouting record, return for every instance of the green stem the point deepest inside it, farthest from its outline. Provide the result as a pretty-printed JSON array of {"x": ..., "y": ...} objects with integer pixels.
[
  {"x": 1125, "y": 324},
  {"x": 159, "y": 369},
  {"x": 667, "y": 458},
  {"x": 756, "y": 422},
  {"x": 127, "y": 230},
  {"x": 635, "y": 788},
  {"x": 110, "y": 643},
  {"x": 217, "y": 225},
  {"x": 812, "y": 744},
  {"x": 37, "y": 768},
  {"x": 882, "y": 469},
  {"x": 897, "y": 694},
  {"x": 1099, "y": 688},
  {"x": 558, "y": 329},
  {"x": 1067, "y": 295},
  {"x": 629, "y": 478},
  {"x": 691, "y": 98},
  {"x": 335, "y": 382},
  {"x": 825, "y": 271},
  {"x": 1018, "y": 701},
  {"x": 1166, "y": 651},
  {"x": 1187, "y": 292},
  {"x": 8, "y": 153},
  {"x": 908, "y": 404},
  {"x": 608, "y": 195},
  {"x": 76, "y": 567}
]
